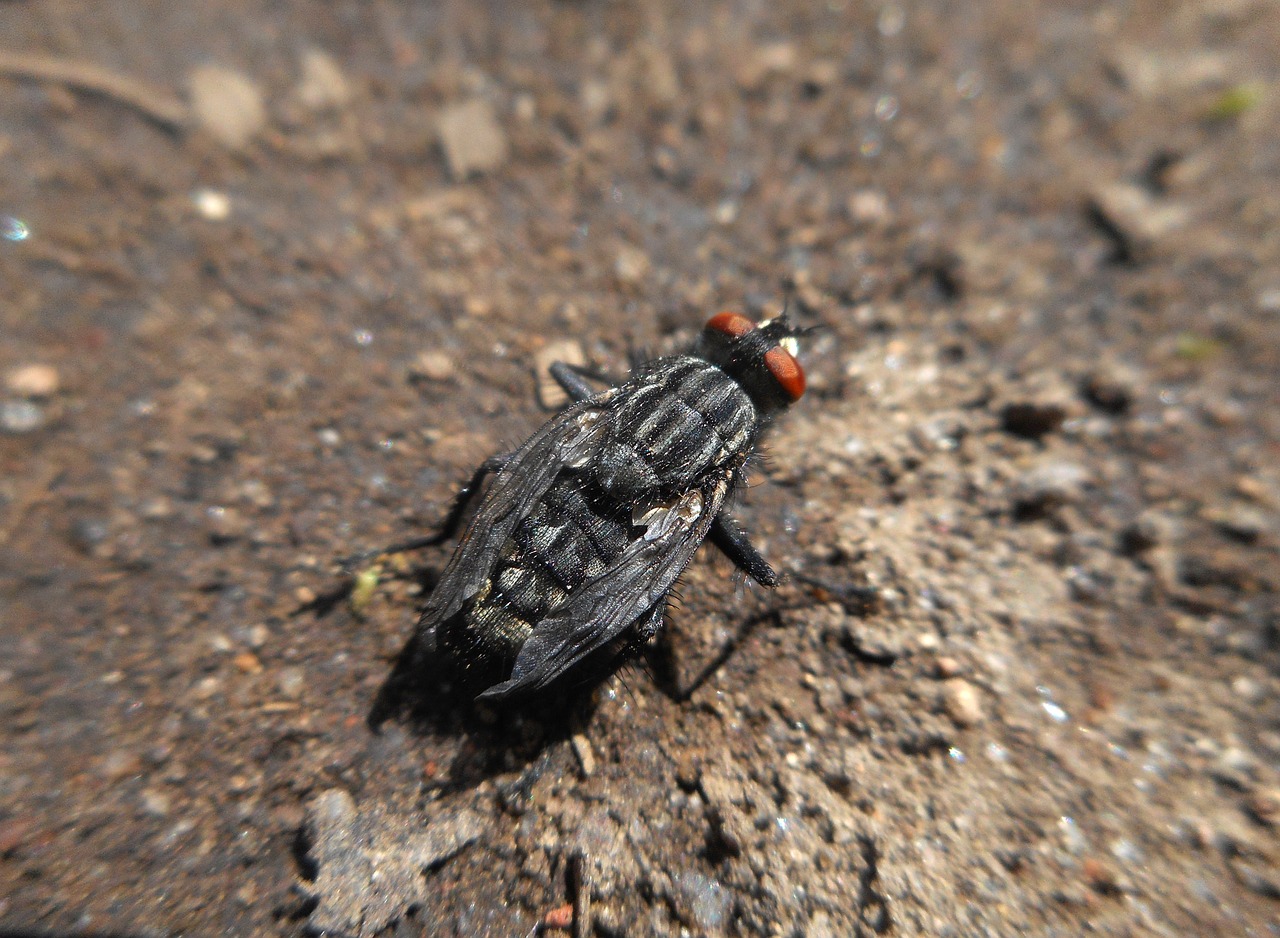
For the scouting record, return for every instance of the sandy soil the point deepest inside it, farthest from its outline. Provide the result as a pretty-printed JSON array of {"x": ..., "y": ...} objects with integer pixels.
[{"x": 276, "y": 277}]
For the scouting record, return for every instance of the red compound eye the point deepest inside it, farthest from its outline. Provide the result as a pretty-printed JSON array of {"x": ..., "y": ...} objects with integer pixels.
[
  {"x": 733, "y": 325},
  {"x": 786, "y": 371}
]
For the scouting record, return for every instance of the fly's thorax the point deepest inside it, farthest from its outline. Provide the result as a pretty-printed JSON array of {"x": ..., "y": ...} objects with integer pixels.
[{"x": 677, "y": 423}]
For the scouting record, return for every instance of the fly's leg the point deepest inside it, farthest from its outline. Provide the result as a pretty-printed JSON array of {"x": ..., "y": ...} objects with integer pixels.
[
  {"x": 452, "y": 521},
  {"x": 572, "y": 380},
  {"x": 734, "y": 544},
  {"x": 647, "y": 625}
]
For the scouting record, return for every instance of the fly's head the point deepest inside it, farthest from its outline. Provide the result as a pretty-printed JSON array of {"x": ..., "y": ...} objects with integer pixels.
[{"x": 761, "y": 357}]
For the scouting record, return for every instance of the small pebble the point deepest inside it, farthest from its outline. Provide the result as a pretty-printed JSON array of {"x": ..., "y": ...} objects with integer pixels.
[
  {"x": 688, "y": 771},
  {"x": 248, "y": 662},
  {"x": 947, "y": 667},
  {"x": 118, "y": 764},
  {"x": 1073, "y": 839},
  {"x": 1099, "y": 876},
  {"x": 1235, "y": 767},
  {"x": 1269, "y": 300},
  {"x": 700, "y": 902},
  {"x": 1247, "y": 688},
  {"x": 586, "y": 755},
  {"x": 1244, "y": 523},
  {"x": 1264, "y": 882},
  {"x": 1132, "y": 216},
  {"x": 963, "y": 702},
  {"x": 156, "y": 509},
  {"x": 155, "y": 802},
  {"x": 88, "y": 535},
  {"x": 158, "y": 754},
  {"x": 1146, "y": 531},
  {"x": 472, "y": 139},
  {"x": 868, "y": 206},
  {"x": 1101, "y": 697},
  {"x": 1056, "y": 713},
  {"x": 632, "y": 266},
  {"x": 291, "y": 681},
  {"x": 323, "y": 86},
  {"x": 33, "y": 381},
  {"x": 1264, "y": 806},
  {"x": 559, "y": 918},
  {"x": 1110, "y": 388},
  {"x": 1126, "y": 851},
  {"x": 212, "y": 205},
  {"x": 227, "y": 105},
  {"x": 568, "y": 351},
  {"x": 21, "y": 417},
  {"x": 774, "y": 58},
  {"x": 13, "y": 832},
  {"x": 206, "y": 687},
  {"x": 225, "y": 525},
  {"x": 256, "y": 492},
  {"x": 1048, "y": 486},
  {"x": 432, "y": 366}
]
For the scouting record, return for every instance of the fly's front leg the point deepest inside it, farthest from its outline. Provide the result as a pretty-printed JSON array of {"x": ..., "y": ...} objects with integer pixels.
[{"x": 734, "y": 544}]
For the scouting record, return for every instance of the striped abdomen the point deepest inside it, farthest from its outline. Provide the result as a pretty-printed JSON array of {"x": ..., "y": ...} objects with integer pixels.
[{"x": 566, "y": 540}]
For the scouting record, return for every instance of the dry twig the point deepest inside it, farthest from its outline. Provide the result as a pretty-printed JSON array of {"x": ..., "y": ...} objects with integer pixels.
[{"x": 154, "y": 103}]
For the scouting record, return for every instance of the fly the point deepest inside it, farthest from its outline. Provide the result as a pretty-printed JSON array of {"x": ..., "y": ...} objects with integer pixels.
[{"x": 567, "y": 563}]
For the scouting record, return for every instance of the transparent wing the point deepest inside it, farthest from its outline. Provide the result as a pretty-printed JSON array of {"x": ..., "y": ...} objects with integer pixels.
[
  {"x": 601, "y": 609},
  {"x": 561, "y": 443}
]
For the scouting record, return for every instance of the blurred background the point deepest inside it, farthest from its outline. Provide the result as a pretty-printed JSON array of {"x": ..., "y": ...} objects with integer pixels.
[{"x": 276, "y": 277}]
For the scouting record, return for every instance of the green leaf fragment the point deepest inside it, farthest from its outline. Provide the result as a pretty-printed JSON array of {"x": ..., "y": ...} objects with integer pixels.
[
  {"x": 1235, "y": 101},
  {"x": 362, "y": 591},
  {"x": 1192, "y": 347}
]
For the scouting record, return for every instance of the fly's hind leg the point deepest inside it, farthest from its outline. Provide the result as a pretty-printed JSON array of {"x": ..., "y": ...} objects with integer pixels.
[
  {"x": 734, "y": 544},
  {"x": 448, "y": 528},
  {"x": 453, "y": 520}
]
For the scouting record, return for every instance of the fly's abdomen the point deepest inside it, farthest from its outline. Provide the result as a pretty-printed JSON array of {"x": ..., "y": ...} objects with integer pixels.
[
  {"x": 679, "y": 424},
  {"x": 565, "y": 541}
]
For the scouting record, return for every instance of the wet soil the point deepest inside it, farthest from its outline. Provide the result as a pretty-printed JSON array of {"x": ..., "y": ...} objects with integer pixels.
[{"x": 277, "y": 277}]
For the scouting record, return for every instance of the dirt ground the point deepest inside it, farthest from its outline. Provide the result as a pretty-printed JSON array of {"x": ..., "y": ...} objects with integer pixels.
[{"x": 276, "y": 277}]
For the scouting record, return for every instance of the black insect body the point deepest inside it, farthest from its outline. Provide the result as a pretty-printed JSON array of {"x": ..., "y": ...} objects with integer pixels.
[{"x": 568, "y": 561}]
